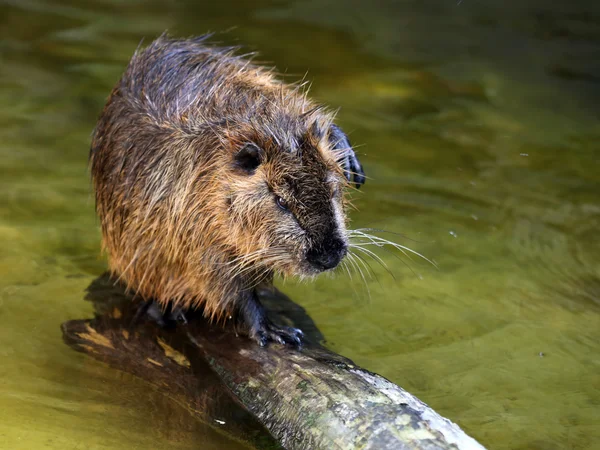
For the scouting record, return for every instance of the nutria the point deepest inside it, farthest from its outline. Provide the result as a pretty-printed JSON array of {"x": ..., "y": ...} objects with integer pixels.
[{"x": 211, "y": 175}]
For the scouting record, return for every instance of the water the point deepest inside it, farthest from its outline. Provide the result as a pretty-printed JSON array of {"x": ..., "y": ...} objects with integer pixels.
[{"x": 479, "y": 125}]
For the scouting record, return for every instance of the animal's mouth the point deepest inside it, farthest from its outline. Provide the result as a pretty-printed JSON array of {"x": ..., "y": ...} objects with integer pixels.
[
  {"x": 310, "y": 263},
  {"x": 328, "y": 258}
]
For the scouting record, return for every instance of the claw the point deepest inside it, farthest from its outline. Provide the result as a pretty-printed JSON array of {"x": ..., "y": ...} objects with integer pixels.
[
  {"x": 268, "y": 331},
  {"x": 177, "y": 315},
  {"x": 152, "y": 310},
  {"x": 260, "y": 328}
]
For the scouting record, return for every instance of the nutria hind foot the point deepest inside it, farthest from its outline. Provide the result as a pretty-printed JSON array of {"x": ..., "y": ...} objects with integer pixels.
[
  {"x": 164, "y": 318},
  {"x": 260, "y": 327}
]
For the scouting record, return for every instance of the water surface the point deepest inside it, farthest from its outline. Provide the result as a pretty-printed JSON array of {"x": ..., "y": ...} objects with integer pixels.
[{"x": 478, "y": 127}]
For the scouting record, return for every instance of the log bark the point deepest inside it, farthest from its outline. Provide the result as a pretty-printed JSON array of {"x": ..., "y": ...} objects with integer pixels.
[{"x": 266, "y": 397}]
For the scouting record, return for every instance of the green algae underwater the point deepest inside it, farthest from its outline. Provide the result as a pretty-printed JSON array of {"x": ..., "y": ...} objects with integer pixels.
[{"x": 478, "y": 125}]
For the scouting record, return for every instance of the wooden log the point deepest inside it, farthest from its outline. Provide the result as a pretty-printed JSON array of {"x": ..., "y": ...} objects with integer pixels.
[{"x": 307, "y": 399}]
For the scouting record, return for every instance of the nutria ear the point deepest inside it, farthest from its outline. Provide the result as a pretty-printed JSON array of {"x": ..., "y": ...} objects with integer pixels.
[
  {"x": 352, "y": 168},
  {"x": 248, "y": 158}
]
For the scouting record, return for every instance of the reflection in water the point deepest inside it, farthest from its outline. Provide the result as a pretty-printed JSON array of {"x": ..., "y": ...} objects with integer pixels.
[{"x": 480, "y": 128}]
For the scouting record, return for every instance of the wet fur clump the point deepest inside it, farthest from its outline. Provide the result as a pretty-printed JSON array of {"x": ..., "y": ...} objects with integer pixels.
[{"x": 211, "y": 175}]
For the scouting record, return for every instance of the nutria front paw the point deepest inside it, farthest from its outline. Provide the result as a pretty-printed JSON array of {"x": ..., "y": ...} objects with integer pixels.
[
  {"x": 353, "y": 169},
  {"x": 268, "y": 331}
]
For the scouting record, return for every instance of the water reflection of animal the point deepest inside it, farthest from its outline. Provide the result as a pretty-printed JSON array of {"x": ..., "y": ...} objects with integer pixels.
[{"x": 211, "y": 176}]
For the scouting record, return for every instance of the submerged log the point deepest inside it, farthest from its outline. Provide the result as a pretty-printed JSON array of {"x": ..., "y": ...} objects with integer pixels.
[{"x": 307, "y": 399}]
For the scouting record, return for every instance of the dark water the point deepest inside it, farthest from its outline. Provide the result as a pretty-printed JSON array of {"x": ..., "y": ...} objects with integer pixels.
[{"x": 479, "y": 126}]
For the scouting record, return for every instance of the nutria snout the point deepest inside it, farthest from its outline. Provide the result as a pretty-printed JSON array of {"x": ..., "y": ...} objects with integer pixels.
[
  {"x": 211, "y": 175},
  {"x": 329, "y": 255}
]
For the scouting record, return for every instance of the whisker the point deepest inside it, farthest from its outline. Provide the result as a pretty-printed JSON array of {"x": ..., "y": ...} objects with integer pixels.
[
  {"x": 401, "y": 260},
  {"x": 247, "y": 255},
  {"x": 361, "y": 260},
  {"x": 380, "y": 230},
  {"x": 255, "y": 260},
  {"x": 345, "y": 266},
  {"x": 373, "y": 256},
  {"x": 359, "y": 270},
  {"x": 380, "y": 242},
  {"x": 369, "y": 269}
]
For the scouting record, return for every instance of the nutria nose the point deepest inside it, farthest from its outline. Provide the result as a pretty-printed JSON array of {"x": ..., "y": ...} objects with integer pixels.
[{"x": 325, "y": 258}]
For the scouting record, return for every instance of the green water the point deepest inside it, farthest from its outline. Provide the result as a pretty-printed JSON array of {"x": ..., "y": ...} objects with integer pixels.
[{"x": 479, "y": 129}]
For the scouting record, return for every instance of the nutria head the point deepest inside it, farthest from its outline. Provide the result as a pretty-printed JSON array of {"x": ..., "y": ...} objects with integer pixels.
[{"x": 287, "y": 195}]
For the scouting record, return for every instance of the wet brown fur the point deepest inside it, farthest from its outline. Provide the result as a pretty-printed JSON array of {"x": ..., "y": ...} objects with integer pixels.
[{"x": 180, "y": 220}]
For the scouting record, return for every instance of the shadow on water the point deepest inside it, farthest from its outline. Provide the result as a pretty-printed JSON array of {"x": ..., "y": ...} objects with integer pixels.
[{"x": 200, "y": 391}]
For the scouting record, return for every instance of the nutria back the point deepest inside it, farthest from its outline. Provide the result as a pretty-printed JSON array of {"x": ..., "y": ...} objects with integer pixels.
[{"x": 211, "y": 175}]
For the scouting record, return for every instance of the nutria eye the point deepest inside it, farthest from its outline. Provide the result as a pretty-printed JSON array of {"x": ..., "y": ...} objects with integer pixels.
[{"x": 282, "y": 203}]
